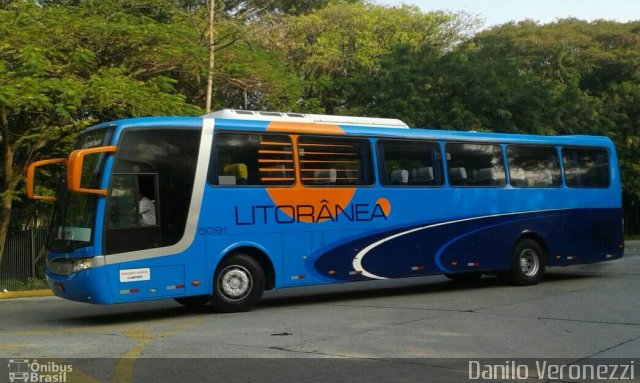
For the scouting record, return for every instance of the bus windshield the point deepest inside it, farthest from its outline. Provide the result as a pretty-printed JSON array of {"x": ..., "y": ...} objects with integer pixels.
[{"x": 75, "y": 213}]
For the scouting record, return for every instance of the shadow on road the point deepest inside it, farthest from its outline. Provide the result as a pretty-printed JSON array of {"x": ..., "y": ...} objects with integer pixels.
[
  {"x": 167, "y": 309},
  {"x": 381, "y": 289}
]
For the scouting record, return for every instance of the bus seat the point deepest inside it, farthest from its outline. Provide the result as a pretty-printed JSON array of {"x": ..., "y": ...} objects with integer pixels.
[
  {"x": 422, "y": 175},
  {"x": 399, "y": 177},
  {"x": 274, "y": 174},
  {"x": 325, "y": 176},
  {"x": 458, "y": 176},
  {"x": 541, "y": 178},
  {"x": 280, "y": 172},
  {"x": 548, "y": 178},
  {"x": 472, "y": 176},
  {"x": 237, "y": 170},
  {"x": 517, "y": 177},
  {"x": 487, "y": 176}
]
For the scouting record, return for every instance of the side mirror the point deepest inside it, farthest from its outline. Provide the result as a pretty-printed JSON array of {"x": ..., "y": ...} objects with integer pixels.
[
  {"x": 75, "y": 167},
  {"x": 31, "y": 172}
]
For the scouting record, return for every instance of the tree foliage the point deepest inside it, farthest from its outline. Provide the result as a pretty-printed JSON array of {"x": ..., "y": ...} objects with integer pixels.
[
  {"x": 63, "y": 67},
  {"x": 344, "y": 39},
  {"x": 568, "y": 77},
  {"x": 65, "y": 64}
]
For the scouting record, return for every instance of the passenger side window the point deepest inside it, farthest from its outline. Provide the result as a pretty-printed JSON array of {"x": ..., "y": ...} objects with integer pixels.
[
  {"x": 533, "y": 166},
  {"x": 410, "y": 163},
  {"x": 253, "y": 159},
  {"x": 475, "y": 164},
  {"x": 334, "y": 161},
  {"x": 586, "y": 167}
]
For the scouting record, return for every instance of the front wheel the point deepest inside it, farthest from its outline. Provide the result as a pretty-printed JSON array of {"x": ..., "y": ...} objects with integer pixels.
[
  {"x": 528, "y": 262},
  {"x": 238, "y": 284}
]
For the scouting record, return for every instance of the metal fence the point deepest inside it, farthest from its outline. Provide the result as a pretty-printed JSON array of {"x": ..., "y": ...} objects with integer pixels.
[{"x": 23, "y": 261}]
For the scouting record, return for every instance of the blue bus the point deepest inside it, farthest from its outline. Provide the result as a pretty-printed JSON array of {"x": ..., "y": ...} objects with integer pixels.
[{"x": 221, "y": 208}]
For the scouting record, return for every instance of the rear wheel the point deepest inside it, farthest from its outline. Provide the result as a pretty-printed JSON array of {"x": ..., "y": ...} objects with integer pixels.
[
  {"x": 238, "y": 284},
  {"x": 528, "y": 262}
]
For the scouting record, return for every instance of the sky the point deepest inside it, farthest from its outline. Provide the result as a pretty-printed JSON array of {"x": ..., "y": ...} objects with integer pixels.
[{"x": 496, "y": 12}]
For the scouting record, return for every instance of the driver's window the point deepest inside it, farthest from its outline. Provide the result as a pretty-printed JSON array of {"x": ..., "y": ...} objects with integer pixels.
[
  {"x": 134, "y": 222},
  {"x": 124, "y": 201},
  {"x": 133, "y": 201}
]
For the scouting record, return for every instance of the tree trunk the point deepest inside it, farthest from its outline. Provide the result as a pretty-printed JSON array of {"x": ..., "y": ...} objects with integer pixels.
[
  {"x": 211, "y": 57},
  {"x": 5, "y": 219},
  {"x": 8, "y": 188}
]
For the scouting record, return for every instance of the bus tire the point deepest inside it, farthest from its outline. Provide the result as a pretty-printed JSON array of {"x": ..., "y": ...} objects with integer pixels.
[
  {"x": 238, "y": 284},
  {"x": 196, "y": 301},
  {"x": 527, "y": 262},
  {"x": 464, "y": 277}
]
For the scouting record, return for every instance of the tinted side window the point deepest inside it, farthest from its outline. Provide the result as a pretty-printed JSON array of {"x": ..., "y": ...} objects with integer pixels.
[
  {"x": 158, "y": 165},
  {"x": 534, "y": 166},
  {"x": 586, "y": 167},
  {"x": 133, "y": 200},
  {"x": 334, "y": 161},
  {"x": 410, "y": 163},
  {"x": 475, "y": 164},
  {"x": 253, "y": 159}
]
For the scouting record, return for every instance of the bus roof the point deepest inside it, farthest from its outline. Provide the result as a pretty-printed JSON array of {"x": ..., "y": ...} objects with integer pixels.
[
  {"x": 259, "y": 122},
  {"x": 234, "y": 114},
  {"x": 359, "y": 126}
]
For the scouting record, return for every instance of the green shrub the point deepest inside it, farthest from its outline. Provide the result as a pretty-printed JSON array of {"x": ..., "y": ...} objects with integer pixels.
[{"x": 17, "y": 284}]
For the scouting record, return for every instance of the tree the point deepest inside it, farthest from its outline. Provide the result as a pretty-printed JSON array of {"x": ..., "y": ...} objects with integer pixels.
[
  {"x": 65, "y": 67},
  {"x": 590, "y": 72},
  {"x": 65, "y": 64},
  {"x": 290, "y": 7},
  {"x": 328, "y": 46},
  {"x": 568, "y": 77}
]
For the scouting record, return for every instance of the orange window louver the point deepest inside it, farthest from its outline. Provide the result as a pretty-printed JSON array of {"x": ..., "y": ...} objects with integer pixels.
[
  {"x": 330, "y": 161},
  {"x": 275, "y": 161}
]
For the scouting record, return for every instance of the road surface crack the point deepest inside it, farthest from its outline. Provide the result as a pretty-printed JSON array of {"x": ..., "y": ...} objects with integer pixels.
[
  {"x": 589, "y": 321},
  {"x": 610, "y": 348}
]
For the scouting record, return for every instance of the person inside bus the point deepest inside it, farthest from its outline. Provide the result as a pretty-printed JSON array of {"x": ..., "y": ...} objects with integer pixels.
[
  {"x": 146, "y": 206},
  {"x": 237, "y": 170},
  {"x": 147, "y": 211}
]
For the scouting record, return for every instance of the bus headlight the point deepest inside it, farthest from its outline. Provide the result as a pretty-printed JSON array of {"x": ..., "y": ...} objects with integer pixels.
[{"x": 82, "y": 264}]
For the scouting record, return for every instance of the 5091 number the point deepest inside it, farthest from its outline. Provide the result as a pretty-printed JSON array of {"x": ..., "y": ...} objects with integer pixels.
[{"x": 212, "y": 230}]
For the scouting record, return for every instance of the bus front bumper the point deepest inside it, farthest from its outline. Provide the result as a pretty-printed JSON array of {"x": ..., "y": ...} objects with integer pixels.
[{"x": 90, "y": 285}]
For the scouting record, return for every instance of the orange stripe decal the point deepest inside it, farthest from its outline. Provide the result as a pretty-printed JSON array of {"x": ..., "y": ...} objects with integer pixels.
[{"x": 297, "y": 127}]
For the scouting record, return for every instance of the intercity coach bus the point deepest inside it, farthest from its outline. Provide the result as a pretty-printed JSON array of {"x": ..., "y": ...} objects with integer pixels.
[{"x": 222, "y": 207}]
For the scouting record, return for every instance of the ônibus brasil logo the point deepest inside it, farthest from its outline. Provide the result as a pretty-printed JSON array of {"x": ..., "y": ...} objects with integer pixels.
[{"x": 24, "y": 370}]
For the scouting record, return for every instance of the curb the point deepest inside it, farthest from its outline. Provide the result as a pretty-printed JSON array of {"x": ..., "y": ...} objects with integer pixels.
[{"x": 25, "y": 294}]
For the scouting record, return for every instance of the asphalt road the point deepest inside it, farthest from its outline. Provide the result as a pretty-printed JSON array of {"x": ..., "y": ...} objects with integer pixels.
[{"x": 405, "y": 329}]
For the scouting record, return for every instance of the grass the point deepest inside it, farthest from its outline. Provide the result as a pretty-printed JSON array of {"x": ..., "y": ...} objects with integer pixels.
[{"x": 16, "y": 284}]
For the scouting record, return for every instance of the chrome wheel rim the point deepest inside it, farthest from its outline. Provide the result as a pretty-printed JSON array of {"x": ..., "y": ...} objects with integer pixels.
[
  {"x": 235, "y": 282},
  {"x": 529, "y": 262}
]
